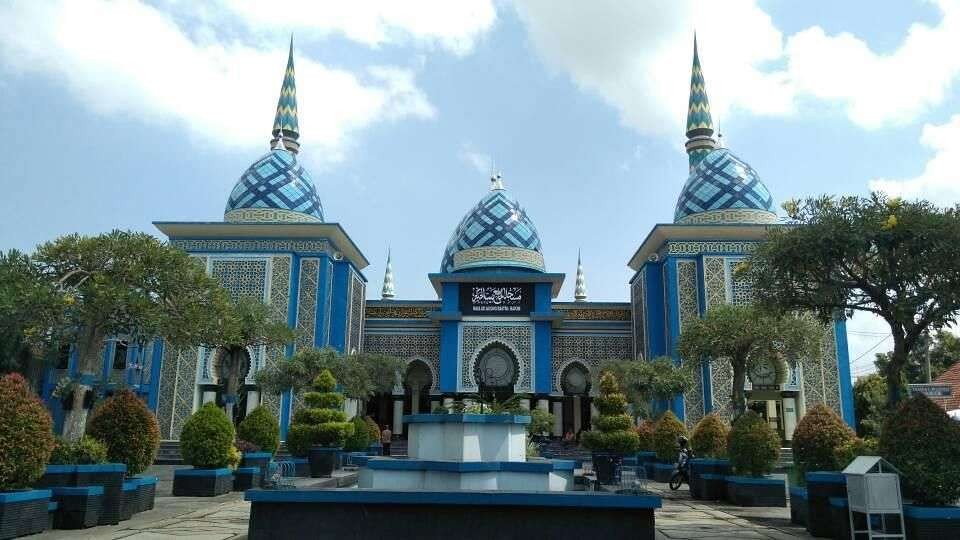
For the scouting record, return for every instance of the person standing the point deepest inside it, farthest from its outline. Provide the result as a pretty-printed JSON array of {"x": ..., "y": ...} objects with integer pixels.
[{"x": 385, "y": 437}]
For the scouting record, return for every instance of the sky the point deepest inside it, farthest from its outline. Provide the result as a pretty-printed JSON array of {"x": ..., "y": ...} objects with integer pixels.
[{"x": 118, "y": 114}]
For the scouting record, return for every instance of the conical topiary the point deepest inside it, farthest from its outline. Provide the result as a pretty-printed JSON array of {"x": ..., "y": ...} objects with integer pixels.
[
  {"x": 323, "y": 422},
  {"x": 613, "y": 428},
  {"x": 709, "y": 438},
  {"x": 666, "y": 432}
]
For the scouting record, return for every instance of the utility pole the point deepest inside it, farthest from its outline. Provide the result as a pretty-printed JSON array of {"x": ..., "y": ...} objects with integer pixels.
[{"x": 929, "y": 346}]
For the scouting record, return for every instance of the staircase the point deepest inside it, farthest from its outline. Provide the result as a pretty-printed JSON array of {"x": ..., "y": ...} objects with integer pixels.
[{"x": 169, "y": 454}]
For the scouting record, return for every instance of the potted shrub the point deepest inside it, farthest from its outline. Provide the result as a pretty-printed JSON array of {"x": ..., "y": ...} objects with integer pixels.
[
  {"x": 320, "y": 430},
  {"x": 375, "y": 448},
  {"x": 646, "y": 456},
  {"x": 206, "y": 442},
  {"x": 753, "y": 447},
  {"x": 613, "y": 435},
  {"x": 818, "y": 437},
  {"x": 666, "y": 432},
  {"x": 923, "y": 443},
  {"x": 26, "y": 441},
  {"x": 709, "y": 445},
  {"x": 260, "y": 429}
]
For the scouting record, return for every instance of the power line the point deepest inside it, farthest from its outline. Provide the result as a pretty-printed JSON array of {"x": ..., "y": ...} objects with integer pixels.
[{"x": 877, "y": 344}]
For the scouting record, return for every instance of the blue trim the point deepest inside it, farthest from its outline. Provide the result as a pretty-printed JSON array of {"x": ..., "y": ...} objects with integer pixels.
[
  {"x": 756, "y": 481},
  {"x": 673, "y": 326},
  {"x": 663, "y": 466},
  {"x": 571, "y": 499},
  {"x": 102, "y": 467},
  {"x": 60, "y": 469},
  {"x": 146, "y": 480},
  {"x": 25, "y": 495},
  {"x": 826, "y": 477},
  {"x": 155, "y": 365},
  {"x": 202, "y": 472},
  {"x": 130, "y": 485},
  {"x": 542, "y": 339},
  {"x": 798, "y": 493},
  {"x": 80, "y": 491},
  {"x": 52, "y": 506},
  {"x": 338, "y": 310},
  {"x": 449, "y": 337},
  {"x": 714, "y": 476},
  {"x": 257, "y": 455},
  {"x": 843, "y": 365},
  {"x": 931, "y": 512},
  {"x": 656, "y": 318},
  {"x": 321, "y": 337},
  {"x": 247, "y": 470},
  {"x": 294, "y": 460},
  {"x": 466, "y": 419},
  {"x": 388, "y": 464},
  {"x": 839, "y": 502}
]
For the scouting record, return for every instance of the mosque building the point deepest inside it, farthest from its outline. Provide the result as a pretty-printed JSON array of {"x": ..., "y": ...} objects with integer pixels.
[{"x": 497, "y": 325}]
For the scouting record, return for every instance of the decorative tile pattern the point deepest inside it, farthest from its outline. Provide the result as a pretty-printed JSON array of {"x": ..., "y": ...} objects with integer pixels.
[
  {"x": 722, "y": 181},
  {"x": 605, "y": 314},
  {"x": 696, "y": 248},
  {"x": 516, "y": 337},
  {"x": 307, "y": 303},
  {"x": 185, "y": 389},
  {"x": 638, "y": 302},
  {"x": 355, "y": 317},
  {"x": 721, "y": 374},
  {"x": 225, "y": 245},
  {"x": 279, "y": 306},
  {"x": 714, "y": 282},
  {"x": 698, "y": 108},
  {"x": 268, "y": 215},
  {"x": 286, "y": 117},
  {"x": 821, "y": 380},
  {"x": 731, "y": 215},
  {"x": 409, "y": 347},
  {"x": 242, "y": 278},
  {"x": 688, "y": 299},
  {"x": 497, "y": 220},
  {"x": 591, "y": 350},
  {"x": 276, "y": 180},
  {"x": 741, "y": 290},
  {"x": 399, "y": 312}
]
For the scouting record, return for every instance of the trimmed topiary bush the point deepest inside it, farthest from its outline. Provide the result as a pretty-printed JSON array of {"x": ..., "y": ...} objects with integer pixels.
[
  {"x": 818, "y": 436},
  {"x": 26, "y": 434},
  {"x": 373, "y": 429},
  {"x": 856, "y": 448},
  {"x": 360, "y": 439},
  {"x": 207, "y": 438},
  {"x": 613, "y": 429},
  {"x": 644, "y": 431},
  {"x": 128, "y": 429},
  {"x": 923, "y": 442},
  {"x": 323, "y": 423},
  {"x": 261, "y": 428},
  {"x": 666, "y": 430},
  {"x": 86, "y": 451},
  {"x": 753, "y": 446},
  {"x": 709, "y": 438}
]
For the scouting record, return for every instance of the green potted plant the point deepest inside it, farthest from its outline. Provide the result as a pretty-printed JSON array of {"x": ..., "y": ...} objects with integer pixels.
[
  {"x": 667, "y": 431},
  {"x": 923, "y": 442},
  {"x": 613, "y": 435},
  {"x": 375, "y": 448},
  {"x": 261, "y": 430},
  {"x": 753, "y": 447},
  {"x": 206, "y": 442},
  {"x": 817, "y": 439},
  {"x": 646, "y": 455},
  {"x": 709, "y": 468},
  {"x": 321, "y": 429},
  {"x": 26, "y": 442}
]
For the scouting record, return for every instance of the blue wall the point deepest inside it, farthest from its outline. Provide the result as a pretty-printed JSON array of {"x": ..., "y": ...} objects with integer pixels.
[
  {"x": 449, "y": 339},
  {"x": 843, "y": 365},
  {"x": 542, "y": 340}
]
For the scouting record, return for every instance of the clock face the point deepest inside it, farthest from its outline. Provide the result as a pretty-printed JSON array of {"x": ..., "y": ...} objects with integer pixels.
[{"x": 763, "y": 373}]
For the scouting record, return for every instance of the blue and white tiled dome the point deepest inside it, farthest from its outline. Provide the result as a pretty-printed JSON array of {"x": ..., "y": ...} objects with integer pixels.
[
  {"x": 275, "y": 188},
  {"x": 723, "y": 188},
  {"x": 496, "y": 233}
]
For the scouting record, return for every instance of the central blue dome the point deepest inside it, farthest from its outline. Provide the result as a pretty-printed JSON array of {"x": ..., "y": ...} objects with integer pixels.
[
  {"x": 496, "y": 233},
  {"x": 723, "y": 188},
  {"x": 275, "y": 188}
]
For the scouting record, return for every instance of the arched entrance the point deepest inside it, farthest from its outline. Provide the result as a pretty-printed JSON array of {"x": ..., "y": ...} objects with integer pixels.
[
  {"x": 770, "y": 397},
  {"x": 417, "y": 382},
  {"x": 231, "y": 366},
  {"x": 575, "y": 384},
  {"x": 496, "y": 372}
]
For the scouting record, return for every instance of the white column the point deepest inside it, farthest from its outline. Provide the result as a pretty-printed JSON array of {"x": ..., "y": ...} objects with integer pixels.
[
  {"x": 415, "y": 404},
  {"x": 525, "y": 404},
  {"x": 789, "y": 417},
  {"x": 208, "y": 397},
  {"x": 577, "y": 414},
  {"x": 351, "y": 406},
  {"x": 253, "y": 400},
  {"x": 594, "y": 411},
  {"x": 397, "y": 416},
  {"x": 557, "y": 419},
  {"x": 543, "y": 404},
  {"x": 434, "y": 403},
  {"x": 448, "y": 403}
]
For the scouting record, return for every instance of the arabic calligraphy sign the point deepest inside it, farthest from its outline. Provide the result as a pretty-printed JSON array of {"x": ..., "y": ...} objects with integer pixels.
[{"x": 496, "y": 298}]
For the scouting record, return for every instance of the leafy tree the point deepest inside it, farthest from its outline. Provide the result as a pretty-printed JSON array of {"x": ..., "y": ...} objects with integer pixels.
[
  {"x": 745, "y": 336},
  {"x": 126, "y": 284},
  {"x": 248, "y": 324},
  {"x": 541, "y": 422},
  {"x": 869, "y": 399},
  {"x": 943, "y": 350},
  {"x": 892, "y": 258},
  {"x": 643, "y": 382}
]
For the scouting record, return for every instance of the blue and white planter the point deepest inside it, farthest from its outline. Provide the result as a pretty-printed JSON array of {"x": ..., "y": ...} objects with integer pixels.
[
  {"x": 798, "y": 506},
  {"x": 260, "y": 460},
  {"x": 821, "y": 486},
  {"x": 940, "y": 522},
  {"x": 323, "y": 460},
  {"x": 756, "y": 491},
  {"x": 202, "y": 482},
  {"x": 77, "y": 507},
  {"x": 701, "y": 466},
  {"x": 23, "y": 512},
  {"x": 245, "y": 478}
]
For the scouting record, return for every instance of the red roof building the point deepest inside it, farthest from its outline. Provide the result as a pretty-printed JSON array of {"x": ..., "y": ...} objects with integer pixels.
[{"x": 950, "y": 377}]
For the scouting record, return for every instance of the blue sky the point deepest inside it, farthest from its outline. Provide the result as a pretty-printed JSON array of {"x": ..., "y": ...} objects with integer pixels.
[{"x": 119, "y": 114}]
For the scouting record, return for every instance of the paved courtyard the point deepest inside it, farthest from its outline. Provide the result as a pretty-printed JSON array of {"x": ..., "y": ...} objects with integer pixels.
[{"x": 225, "y": 517}]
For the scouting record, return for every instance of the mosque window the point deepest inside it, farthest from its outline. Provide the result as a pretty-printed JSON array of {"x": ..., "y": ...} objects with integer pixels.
[{"x": 120, "y": 355}]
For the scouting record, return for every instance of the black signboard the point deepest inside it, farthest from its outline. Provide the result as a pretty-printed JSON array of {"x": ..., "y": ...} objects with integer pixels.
[{"x": 496, "y": 298}]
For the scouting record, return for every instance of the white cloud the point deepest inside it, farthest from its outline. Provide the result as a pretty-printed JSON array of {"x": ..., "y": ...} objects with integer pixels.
[
  {"x": 938, "y": 181},
  {"x": 636, "y": 56},
  {"x": 480, "y": 161},
  {"x": 131, "y": 59},
  {"x": 455, "y": 26}
]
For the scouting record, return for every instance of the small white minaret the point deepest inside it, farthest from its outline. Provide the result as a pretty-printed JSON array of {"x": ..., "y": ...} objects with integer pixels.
[
  {"x": 388, "y": 292},
  {"x": 580, "y": 293}
]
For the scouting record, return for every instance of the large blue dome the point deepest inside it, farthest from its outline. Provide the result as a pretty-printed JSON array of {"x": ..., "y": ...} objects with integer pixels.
[
  {"x": 275, "y": 188},
  {"x": 496, "y": 233},
  {"x": 723, "y": 188}
]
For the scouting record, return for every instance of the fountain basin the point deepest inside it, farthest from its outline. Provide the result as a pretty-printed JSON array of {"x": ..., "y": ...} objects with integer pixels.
[
  {"x": 535, "y": 475},
  {"x": 466, "y": 437}
]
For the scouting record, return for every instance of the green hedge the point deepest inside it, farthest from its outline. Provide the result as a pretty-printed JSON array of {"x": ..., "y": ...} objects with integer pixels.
[
  {"x": 86, "y": 451},
  {"x": 709, "y": 438},
  {"x": 26, "y": 434},
  {"x": 261, "y": 428},
  {"x": 207, "y": 438},
  {"x": 753, "y": 446},
  {"x": 818, "y": 437},
  {"x": 128, "y": 429},
  {"x": 666, "y": 430}
]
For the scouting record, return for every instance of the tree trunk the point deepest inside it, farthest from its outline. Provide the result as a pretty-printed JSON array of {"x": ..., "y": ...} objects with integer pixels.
[
  {"x": 91, "y": 363},
  {"x": 738, "y": 397},
  {"x": 894, "y": 372}
]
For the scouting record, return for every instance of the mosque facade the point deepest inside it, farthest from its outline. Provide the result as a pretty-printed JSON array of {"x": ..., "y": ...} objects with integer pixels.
[{"x": 496, "y": 326}]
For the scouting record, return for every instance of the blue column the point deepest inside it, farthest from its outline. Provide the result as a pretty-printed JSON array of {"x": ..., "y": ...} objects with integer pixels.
[
  {"x": 655, "y": 329},
  {"x": 321, "y": 337},
  {"x": 543, "y": 342},
  {"x": 673, "y": 327},
  {"x": 339, "y": 305},
  {"x": 449, "y": 339},
  {"x": 155, "y": 366},
  {"x": 843, "y": 371},
  {"x": 286, "y": 398}
]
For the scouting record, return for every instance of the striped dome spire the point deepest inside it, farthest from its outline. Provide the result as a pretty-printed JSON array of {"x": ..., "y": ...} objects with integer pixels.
[
  {"x": 286, "y": 119},
  {"x": 699, "y": 121}
]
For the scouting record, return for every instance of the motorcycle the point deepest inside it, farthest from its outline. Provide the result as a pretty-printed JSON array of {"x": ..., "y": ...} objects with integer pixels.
[{"x": 682, "y": 473}]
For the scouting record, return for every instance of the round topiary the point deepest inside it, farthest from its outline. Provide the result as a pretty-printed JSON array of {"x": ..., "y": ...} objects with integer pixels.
[
  {"x": 923, "y": 442},
  {"x": 261, "y": 428},
  {"x": 323, "y": 423},
  {"x": 818, "y": 436},
  {"x": 207, "y": 438},
  {"x": 360, "y": 439},
  {"x": 86, "y": 451},
  {"x": 753, "y": 446},
  {"x": 128, "y": 429},
  {"x": 644, "y": 432},
  {"x": 373, "y": 429},
  {"x": 26, "y": 434},
  {"x": 666, "y": 430},
  {"x": 613, "y": 428},
  {"x": 709, "y": 438}
]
